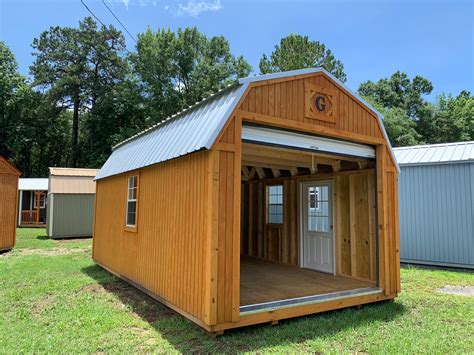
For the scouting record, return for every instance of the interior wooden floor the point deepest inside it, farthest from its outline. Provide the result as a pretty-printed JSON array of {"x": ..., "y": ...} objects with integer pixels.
[{"x": 262, "y": 281}]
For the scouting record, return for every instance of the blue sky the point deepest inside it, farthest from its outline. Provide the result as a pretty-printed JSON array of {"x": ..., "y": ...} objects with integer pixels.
[{"x": 373, "y": 38}]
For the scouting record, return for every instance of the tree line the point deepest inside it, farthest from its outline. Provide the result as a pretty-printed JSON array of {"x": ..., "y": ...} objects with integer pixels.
[{"x": 87, "y": 92}]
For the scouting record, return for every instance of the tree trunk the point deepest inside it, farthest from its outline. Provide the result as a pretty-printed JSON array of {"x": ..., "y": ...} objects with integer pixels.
[{"x": 75, "y": 132}]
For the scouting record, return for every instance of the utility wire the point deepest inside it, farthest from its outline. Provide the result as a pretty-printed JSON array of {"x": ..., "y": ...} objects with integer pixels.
[
  {"x": 87, "y": 7},
  {"x": 103, "y": 24},
  {"x": 113, "y": 14}
]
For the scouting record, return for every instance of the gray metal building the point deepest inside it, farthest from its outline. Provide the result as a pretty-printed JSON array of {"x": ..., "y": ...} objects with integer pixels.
[
  {"x": 71, "y": 199},
  {"x": 436, "y": 204}
]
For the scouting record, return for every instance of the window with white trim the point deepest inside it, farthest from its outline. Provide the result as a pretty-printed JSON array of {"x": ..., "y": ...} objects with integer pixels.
[
  {"x": 275, "y": 204},
  {"x": 42, "y": 200},
  {"x": 132, "y": 192}
]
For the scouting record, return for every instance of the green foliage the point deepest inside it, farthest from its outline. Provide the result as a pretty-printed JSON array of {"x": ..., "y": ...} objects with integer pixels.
[
  {"x": 24, "y": 115},
  {"x": 299, "y": 52},
  {"x": 452, "y": 119},
  {"x": 77, "y": 66},
  {"x": 179, "y": 69},
  {"x": 401, "y": 130},
  {"x": 410, "y": 119},
  {"x": 400, "y": 92}
]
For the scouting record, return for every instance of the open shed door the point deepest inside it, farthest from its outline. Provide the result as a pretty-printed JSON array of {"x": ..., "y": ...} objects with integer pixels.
[{"x": 289, "y": 139}]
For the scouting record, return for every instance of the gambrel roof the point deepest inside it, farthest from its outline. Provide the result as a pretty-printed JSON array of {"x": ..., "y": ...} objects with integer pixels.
[{"x": 196, "y": 128}]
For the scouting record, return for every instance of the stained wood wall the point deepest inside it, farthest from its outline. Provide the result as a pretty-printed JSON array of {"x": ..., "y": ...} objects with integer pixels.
[
  {"x": 355, "y": 225},
  {"x": 354, "y": 221},
  {"x": 227, "y": 168},
  {"x": 8, "y": 205},
  {"x": 169, "y": 254},
  {"x": 286, "y": 99},
  {"x": 278, "y": 243}
]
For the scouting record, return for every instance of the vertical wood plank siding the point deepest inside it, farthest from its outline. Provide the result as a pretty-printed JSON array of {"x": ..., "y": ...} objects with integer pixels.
[
  {"x": 168, "y": 253},
  {"x": 228, "y": 209},
  {"x": 352, "y": 116},
  {"x": 355, "y": 225},
  {"x": 8, "y": 208}
]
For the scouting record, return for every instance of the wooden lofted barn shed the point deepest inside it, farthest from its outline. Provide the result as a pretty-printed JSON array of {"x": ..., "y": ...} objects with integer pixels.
[
  {"x": 274, "y": 198},
  {"x": 8, "y": 203}
]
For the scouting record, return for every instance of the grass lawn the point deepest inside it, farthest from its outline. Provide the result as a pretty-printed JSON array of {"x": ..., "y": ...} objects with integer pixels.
[{"x": 53, "y": 298}]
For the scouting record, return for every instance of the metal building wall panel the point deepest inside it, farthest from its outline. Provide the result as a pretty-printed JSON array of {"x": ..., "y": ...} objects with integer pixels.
[
  {"x": 437, "y": 214},
  {"x": 72, "y": 215}
]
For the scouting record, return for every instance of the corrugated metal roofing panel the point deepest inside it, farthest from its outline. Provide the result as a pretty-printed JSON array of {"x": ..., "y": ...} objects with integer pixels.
[
  {"x": 435, "y": 153},
  {"x": 33, "y": 184},
  {"x": 191, "y": 130}
]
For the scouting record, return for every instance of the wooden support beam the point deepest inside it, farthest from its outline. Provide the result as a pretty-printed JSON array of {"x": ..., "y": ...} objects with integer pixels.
[
  {"x": 293, "y": 171},
  {"x": 245, "y": 171},
  {"x": 260, "y": 172},
  {"x": 336, "y": 166},
  {"x": 363, "y": 164},
  {"x": 276, "y": 173},
  {"x": 252, "y": 173},
  {"x": 353, "y": 222}
]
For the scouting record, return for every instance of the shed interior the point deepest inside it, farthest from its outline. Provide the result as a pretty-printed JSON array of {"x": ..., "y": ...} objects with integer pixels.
[{"x": 307, "y": 227}]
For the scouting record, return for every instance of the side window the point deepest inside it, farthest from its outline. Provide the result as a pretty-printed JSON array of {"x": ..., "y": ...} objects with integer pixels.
[
  {"x": 132, "y": 192},
  {"x": 275, "y": 204}
]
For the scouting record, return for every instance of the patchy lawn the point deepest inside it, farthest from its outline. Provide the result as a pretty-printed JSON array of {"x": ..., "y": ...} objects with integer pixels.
[{"x": 53, "y": 298}]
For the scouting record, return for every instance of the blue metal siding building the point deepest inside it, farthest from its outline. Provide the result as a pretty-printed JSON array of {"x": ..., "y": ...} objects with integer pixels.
[{"x": 436, "y": 204}]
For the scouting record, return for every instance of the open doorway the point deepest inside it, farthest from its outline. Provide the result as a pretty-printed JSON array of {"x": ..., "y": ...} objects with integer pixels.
[{"x": 307, "y": 227}]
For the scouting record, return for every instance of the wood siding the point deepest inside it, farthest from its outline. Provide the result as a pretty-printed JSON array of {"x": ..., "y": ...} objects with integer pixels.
[
  {"x": 355, "y": 225},
  {"x": 286, "y": 99},
  {"x": 278, "y": 243},
  {"x": 8, "y": 205},
  {"x": 168, "y": 255},
  {"x": 228, "y": 226}
]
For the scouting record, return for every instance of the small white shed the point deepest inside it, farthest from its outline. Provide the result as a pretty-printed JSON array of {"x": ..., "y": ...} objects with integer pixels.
[{"x": 436, "y": 204}]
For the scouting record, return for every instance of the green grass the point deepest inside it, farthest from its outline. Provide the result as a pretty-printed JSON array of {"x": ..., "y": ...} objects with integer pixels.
[{"x": 53, "y": 298}]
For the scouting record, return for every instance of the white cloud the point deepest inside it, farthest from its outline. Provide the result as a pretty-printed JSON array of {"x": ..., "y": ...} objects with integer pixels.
[
  {"x": 141, "y": 3},
  {"x": 194, "y": 7}
]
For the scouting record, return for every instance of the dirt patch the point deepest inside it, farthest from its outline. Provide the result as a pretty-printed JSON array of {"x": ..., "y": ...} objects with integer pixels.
[
  {"x": 43, "y": 304},
  {"x": 458, "y": 290},
  {"x": 129, "y": 297},
  {"x": 49, "y": 252}
]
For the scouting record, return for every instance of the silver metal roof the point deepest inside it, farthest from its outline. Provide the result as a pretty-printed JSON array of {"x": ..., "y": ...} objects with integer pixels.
[
  {"x": 193, "y": 129},
  {"x": 435, "y": 153},
  {"x": 33, "y": 184}
]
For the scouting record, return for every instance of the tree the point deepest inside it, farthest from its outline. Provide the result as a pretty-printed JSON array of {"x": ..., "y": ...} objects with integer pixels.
[
  {"x": 76, "y": 66},
  {"x": 24, "y": 115},
  {"x": 179, "y": 69},
  {"x": 400, "y": 92},
  {"x": 449, "y": 119},
  {"x": 11, "y": 83},
  {"x": 299, "y": 52},
  {"x": 401, "y": 130},
  {"x": 452, "y": 119}
]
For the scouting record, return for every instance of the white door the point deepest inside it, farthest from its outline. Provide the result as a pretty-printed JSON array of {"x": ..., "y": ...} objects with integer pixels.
[{"x": 317, "y": 230}]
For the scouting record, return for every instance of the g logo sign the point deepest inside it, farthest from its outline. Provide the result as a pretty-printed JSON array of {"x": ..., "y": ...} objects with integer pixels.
[{"x": 320, "y": 103}]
